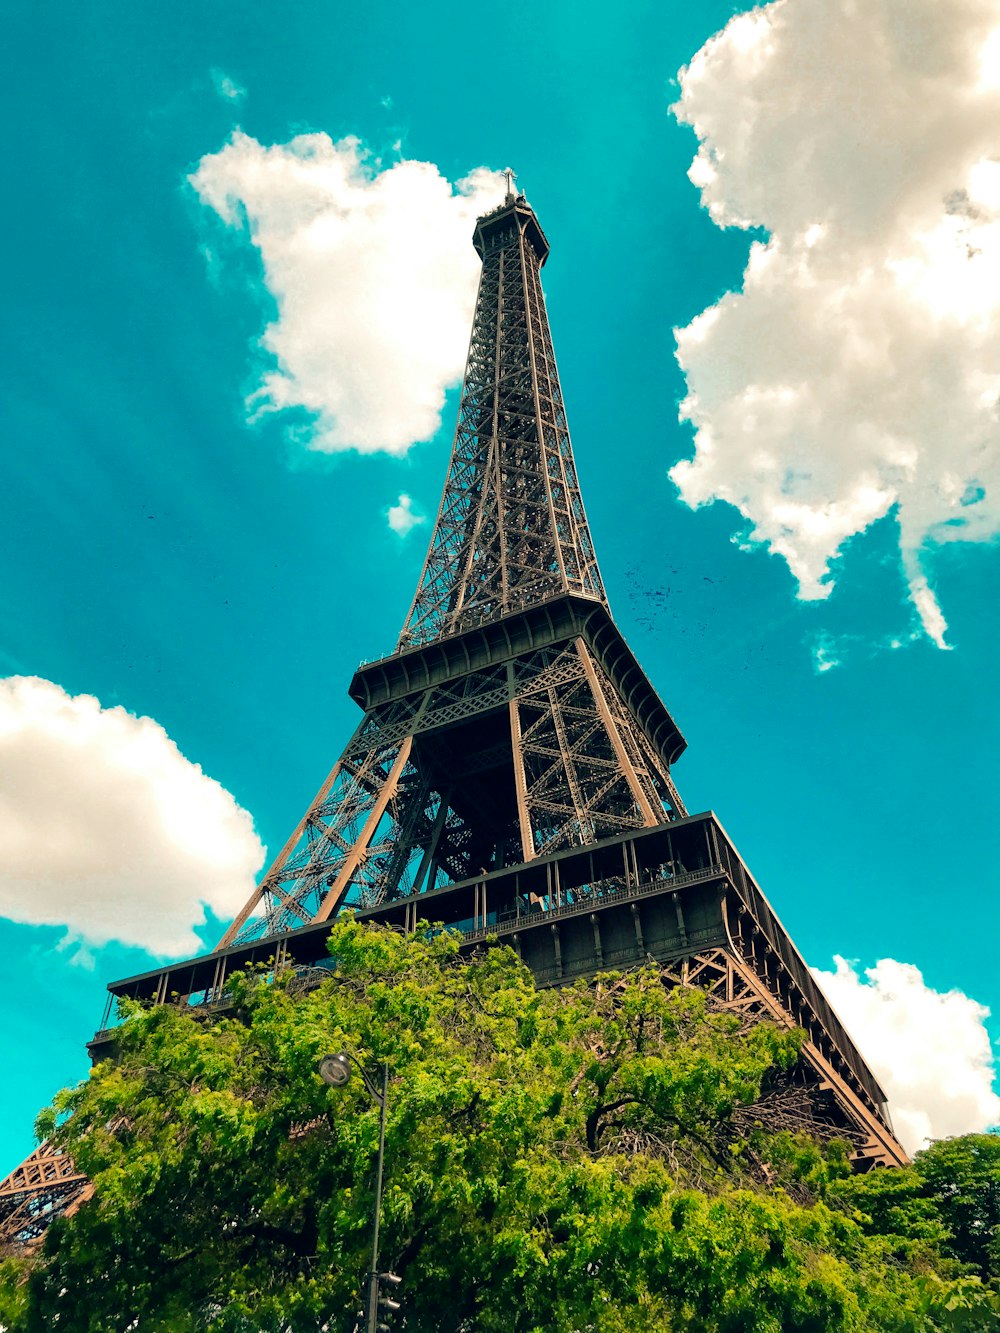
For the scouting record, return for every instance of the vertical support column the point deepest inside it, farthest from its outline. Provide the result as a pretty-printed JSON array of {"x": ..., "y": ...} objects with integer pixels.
[
  {"x": 637, "y": 923},
  {"x": 713, "y": 844},
  {"x": 649, "y": 815},
  {"x": 430, "y": 851},
  {"x": 598, "y": 945},
  {"x": 269, "y": 883},
  {"x": 581, "y": 812},
  {"x": 360, "y": 848},
  {"x": 557, "y": 946},
  {"x": 681, "y": 926},
  {"x": 520, "y": 780}
]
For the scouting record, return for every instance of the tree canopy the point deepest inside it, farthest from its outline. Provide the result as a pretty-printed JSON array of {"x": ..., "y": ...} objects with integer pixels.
[{"x": 599, "y": 1157}]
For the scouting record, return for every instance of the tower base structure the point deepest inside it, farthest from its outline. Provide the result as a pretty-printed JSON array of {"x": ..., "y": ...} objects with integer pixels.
[
  {"x": 45, "y": 1185},
  {"x": 677, "y": 896}
]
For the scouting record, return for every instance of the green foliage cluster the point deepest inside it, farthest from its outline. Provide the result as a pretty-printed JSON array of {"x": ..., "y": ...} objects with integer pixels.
[{"x": 557, "y": 1160}]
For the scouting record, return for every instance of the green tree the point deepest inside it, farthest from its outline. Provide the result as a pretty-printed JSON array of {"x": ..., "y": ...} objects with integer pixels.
[
  {"x": 947, "y": 1203},
  {"x": 962, "y": 1176},
  {"x": 577, "y": 1159}
]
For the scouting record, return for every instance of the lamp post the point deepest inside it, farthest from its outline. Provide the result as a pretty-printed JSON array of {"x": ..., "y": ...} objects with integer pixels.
[{"x": 335, "y": 1070}]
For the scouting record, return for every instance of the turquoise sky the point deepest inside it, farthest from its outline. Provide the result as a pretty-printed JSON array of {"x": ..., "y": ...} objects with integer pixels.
[{"x": 163, "y": 554}]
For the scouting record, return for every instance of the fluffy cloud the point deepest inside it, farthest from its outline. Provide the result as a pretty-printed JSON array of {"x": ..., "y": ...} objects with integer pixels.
[
  {"x": 107, "y": 829},
  {"x": 373, "y": 275},
  {"x": 930, "y": 1049},
  {"x": 857, "y": 373},
  {"x": 402, "y": 518}
]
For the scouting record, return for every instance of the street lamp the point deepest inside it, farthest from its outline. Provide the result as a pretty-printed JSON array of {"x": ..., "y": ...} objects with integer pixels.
[{"x": 335, "y": 1070}]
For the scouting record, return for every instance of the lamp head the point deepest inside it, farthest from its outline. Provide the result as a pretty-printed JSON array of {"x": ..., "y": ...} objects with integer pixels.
[{"x": 335, "y": 1069}]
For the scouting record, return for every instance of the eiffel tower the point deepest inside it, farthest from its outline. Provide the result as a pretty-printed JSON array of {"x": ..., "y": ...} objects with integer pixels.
[{"x": 511, "y": 774}]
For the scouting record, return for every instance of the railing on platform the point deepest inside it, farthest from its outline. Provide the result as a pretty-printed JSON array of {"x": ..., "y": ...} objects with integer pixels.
[
  {"x": 205, "y": 1001},
  {"x": 520, "y": 921}
]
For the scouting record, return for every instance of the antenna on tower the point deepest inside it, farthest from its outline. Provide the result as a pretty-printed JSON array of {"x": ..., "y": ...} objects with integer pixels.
[{"x": 510, "y": 186}]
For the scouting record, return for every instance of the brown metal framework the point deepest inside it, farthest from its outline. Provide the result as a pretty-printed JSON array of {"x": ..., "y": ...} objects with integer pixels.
[
  {"x": 45, "y": 1185},
  {"x": 480, "y": 756},
  {"x": 480, "y": 771},
  {"x": 676, "y": 894},
  {"x": 511, "y": 530},
  {"x": 511, "y": 774}
]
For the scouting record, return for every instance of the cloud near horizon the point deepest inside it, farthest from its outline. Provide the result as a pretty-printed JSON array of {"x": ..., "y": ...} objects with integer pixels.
[
  {"x": 929, "y": 1049},
  {"x": 106, "y": 829},
  {"x": 857, "y": 373},
  {"x": 373, "y": 275}
]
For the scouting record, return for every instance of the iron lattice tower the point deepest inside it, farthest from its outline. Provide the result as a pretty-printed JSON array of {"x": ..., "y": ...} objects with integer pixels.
[
  {"x": 507, "y": 752},
  {"x": 511, "y": 773}
]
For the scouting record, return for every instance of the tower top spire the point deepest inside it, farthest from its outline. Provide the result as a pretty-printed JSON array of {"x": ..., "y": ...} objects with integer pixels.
[{"x": 511, "y": 531}]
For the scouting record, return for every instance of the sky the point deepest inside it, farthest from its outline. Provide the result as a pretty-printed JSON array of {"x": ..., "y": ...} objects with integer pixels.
[{"x": 238, "y": 285}]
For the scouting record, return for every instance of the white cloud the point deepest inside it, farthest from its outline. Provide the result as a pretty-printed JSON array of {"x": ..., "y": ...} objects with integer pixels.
[
  {"x": 374, "y": 277},
  {"x": 401, "y": 517},
  {"x": 825, "y": 654},
  {"x": 857, "y": 373},
  {"x": 834, "y": 650},
  {"x": 107, "y": 829},
  {"x": 228, "y": 89},
  {"x": 929, "y": 1049}
]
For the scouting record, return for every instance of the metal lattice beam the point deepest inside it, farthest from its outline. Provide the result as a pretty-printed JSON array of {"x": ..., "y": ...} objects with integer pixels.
[
  {"x": 511, "y": 528},
  {"x": 416, "y": 795},
  {"x": 46, "y": 1184}
]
